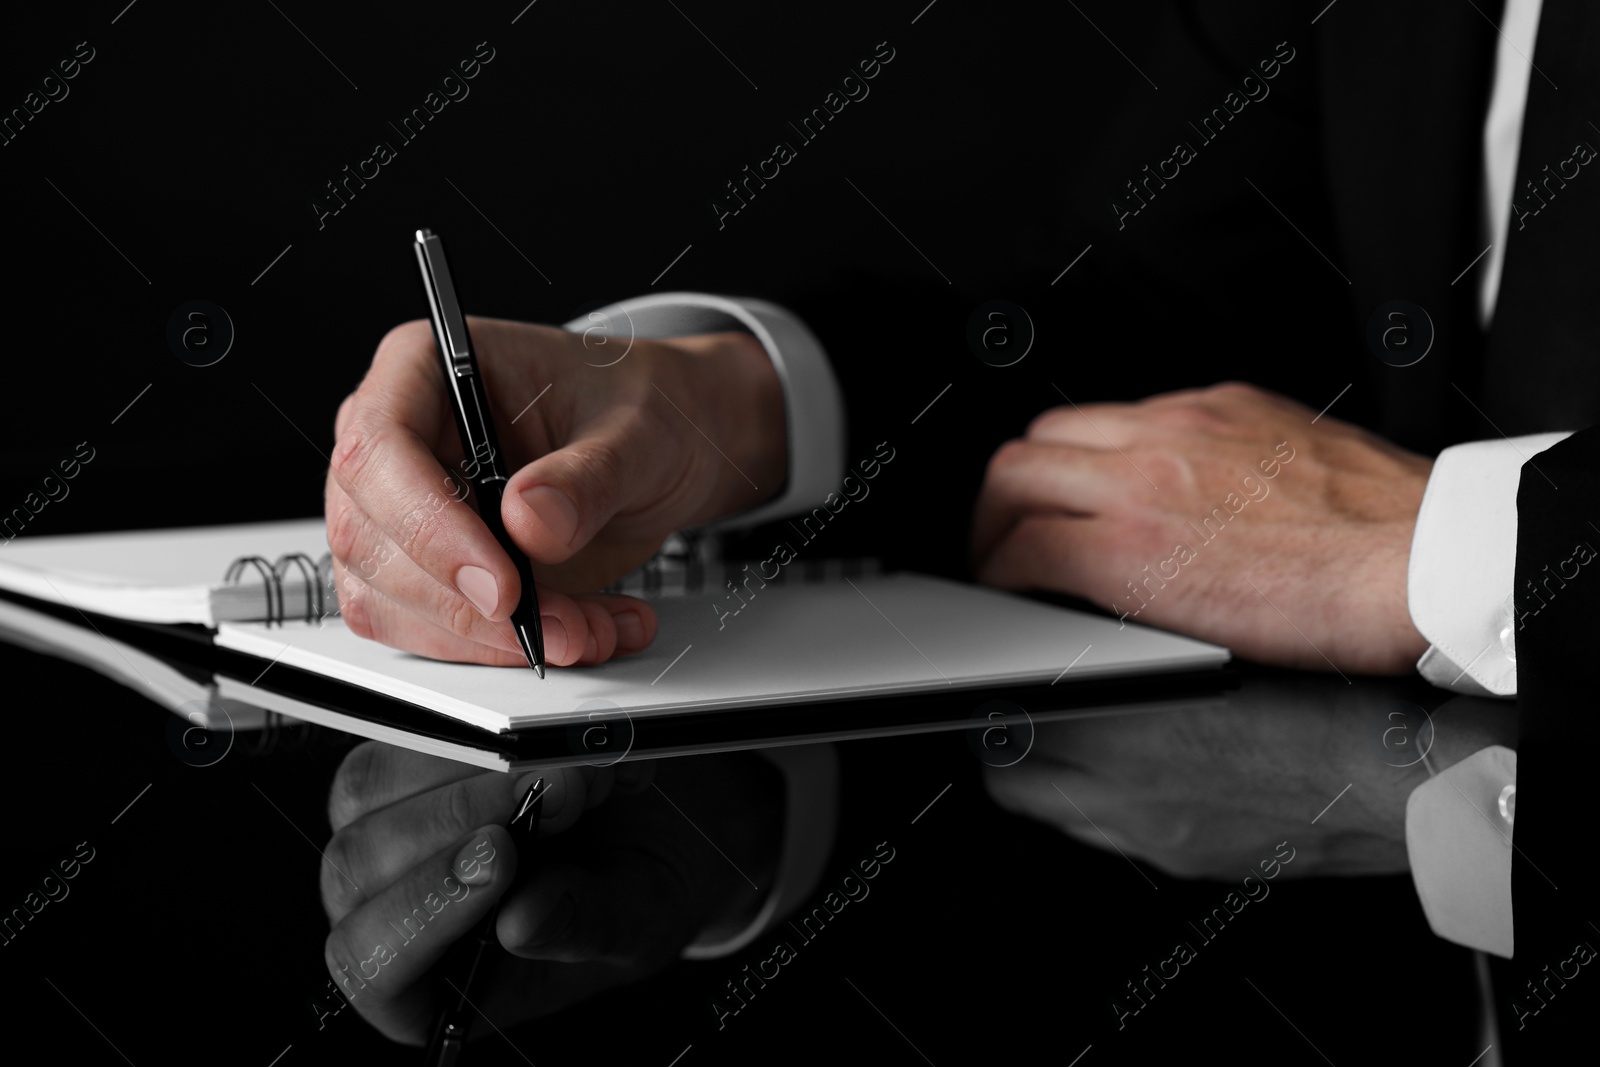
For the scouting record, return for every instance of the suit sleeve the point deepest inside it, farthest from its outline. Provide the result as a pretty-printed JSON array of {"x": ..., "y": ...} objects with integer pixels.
[
  {"x": 1460, "y": 593},
  {"x": 1553, "y": 874}
]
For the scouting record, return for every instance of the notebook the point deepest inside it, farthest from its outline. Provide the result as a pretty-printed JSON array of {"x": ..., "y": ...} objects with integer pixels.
[
  {"x": 204, "y": 574},
  {"x": 828, "y": 649},
  {"x": 792, "y": 644}
]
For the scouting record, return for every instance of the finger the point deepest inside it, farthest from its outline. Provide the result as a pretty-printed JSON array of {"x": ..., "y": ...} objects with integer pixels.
[
  {"x": 370, "y": 614},
  {"x": 564, "y": 623},
  {"x": 383, "y": 462},
  {"x": 380, "y": 846},
  {"x": 1043, "y": 552},
  {"x": 633, "y": 619},
  {"x": 1099, "y": 426},
  {"x": 406, "y": 586},
  {"x": 363, "y": 551},
  {"x": 634, "y": 912},
  {"x": 602, "y": 640},
  {"x": 374, "y": 775},
  {"x": 555, "y": 505},
  {"x": 380, "y": 953},
  {"x": 1028, "y": 476},
  {"x": 1071, "y": 801}
]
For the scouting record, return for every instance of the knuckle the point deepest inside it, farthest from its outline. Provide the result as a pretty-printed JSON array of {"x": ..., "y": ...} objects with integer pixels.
[
  {"x": 406, "y": 337},
  {"x": 1194, "y": 415},
  {"x": 354, "y": 451},
  {"x": 342, "y": 416},
  {"x": 353, "y": 610},
  {"x": 457, "y": 614},
  {"x": 346, "y": 525},
  {"x": 419, "y": 527}
]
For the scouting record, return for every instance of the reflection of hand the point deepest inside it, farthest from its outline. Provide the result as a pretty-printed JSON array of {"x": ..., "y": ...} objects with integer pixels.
[
  {"x": 1318, "y": 517},
  {"x": 618, "y": 469},
  {"x": 620, "y": 891},
  {"x": 1207, "y": 790}
]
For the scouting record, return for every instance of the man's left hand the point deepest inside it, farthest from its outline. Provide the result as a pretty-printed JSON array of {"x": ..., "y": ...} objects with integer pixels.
[{"x": 1229, "y": 514}]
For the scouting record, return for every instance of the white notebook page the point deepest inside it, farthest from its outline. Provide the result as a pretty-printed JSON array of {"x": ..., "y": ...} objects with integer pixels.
[
  {"x": 794, "y": 643},
  {"x": 164, "y": 576}
]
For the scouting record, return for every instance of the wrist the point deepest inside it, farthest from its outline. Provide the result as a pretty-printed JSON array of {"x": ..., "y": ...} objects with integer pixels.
[{"x": 738, "y": 404}]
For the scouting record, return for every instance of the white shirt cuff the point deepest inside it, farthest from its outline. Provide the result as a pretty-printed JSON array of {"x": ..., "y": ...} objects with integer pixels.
[
  {"x": 1459, "y": 844},
  {"x": 811, "y": 801},
  {"x": 812, "y": 403},
  {"x": 1460, "y": 579}
]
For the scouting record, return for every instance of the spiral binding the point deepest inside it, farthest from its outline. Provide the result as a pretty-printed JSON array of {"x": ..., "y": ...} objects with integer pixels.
[
  {"x": 692, "y": 562},
  {"x": 684, "y": 565},
  {"x": 317, "y": 576}
]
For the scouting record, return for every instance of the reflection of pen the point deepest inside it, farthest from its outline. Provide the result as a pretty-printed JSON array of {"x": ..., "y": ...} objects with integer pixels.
[
  {"x": 469, "y": 402},
  {"x": 450, "y": 1034}
]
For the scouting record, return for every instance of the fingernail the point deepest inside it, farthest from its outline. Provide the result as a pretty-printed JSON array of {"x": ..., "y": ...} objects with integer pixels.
[
  {"x": 555, "y": 925},
  {"x": 555, "y": 638},
  {"x": 591, "y": 649},
  {"x": 479, "y": 586},
  {"x": 551, "y": 507},
  {"x": 630, "y": 629},
  {"x": 470, "y": 865}
]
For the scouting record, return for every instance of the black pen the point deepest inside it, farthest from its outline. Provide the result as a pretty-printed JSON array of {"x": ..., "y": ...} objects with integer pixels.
[
  {"x": 469, "y": 402},
  {"x": 450, "y": 1033}
]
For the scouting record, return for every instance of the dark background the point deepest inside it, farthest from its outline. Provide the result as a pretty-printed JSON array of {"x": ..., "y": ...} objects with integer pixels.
[{"x": 196, "y": 140}]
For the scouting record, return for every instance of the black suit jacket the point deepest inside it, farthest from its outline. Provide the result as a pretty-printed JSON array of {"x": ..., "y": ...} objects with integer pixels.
[{"x": 1548, "y": 991}]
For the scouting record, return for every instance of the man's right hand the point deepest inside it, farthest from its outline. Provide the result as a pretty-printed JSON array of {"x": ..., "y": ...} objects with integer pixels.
[
  {"x": 608, "y": 458},
  {"x": 613, "y": 893}
]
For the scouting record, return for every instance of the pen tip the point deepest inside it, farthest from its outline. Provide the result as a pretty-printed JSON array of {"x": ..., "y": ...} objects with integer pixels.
[
  {"x": 531, "y": 648},
  {"x": 526, "y": 818}
]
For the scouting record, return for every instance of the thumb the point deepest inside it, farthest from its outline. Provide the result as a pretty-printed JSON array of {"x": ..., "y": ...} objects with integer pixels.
[
  {"x": 555, "y": 505},
  {"x": 634, "y": 914}
]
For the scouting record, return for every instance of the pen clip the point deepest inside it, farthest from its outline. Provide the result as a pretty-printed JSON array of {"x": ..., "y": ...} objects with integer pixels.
[{"x": 458, "y": 349}]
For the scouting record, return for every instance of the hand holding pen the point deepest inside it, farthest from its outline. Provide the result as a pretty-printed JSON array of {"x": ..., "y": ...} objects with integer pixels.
[
  {"x": 604, "y": 442},
  {"x": 617, "y": 884},
  {"x": 424, "y": 851}
]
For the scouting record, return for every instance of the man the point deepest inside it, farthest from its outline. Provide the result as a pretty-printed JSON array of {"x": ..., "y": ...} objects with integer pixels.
[{"x": 1092, "y": 496}]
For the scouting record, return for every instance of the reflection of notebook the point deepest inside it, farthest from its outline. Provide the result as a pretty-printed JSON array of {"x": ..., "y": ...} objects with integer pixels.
[
  {"x": 189, "y": 694},
  {"x": 175, "y": 576},
  {"x": 794, "y": 644}
]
